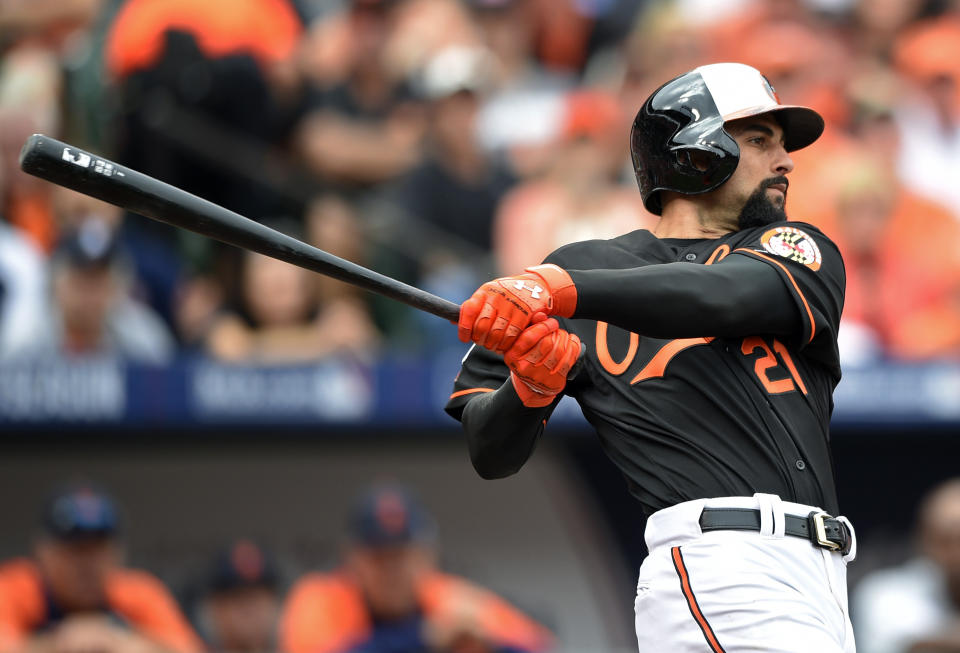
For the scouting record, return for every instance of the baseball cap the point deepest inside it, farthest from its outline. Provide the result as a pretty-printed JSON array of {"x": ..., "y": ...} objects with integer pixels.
[
  {"x": 452, "y": 70},
  {"x": 92, "y": 244},
  {"x": 741, "y": 91},
  {"x": 591, "y": 113},
  {"x": 243, "y": 563},
  {"x": 930, "y": 50},
  {"x": 389, "y": 515},
  {"x": 80, "y": 510}
]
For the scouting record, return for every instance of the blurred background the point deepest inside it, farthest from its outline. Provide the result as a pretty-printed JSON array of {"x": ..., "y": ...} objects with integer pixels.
[{"x": 198, "y": 398}]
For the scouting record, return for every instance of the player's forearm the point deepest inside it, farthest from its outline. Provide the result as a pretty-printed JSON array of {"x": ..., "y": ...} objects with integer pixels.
[
  {"x": 501, "y": 431},
  {"x": 679, "y": 300}
]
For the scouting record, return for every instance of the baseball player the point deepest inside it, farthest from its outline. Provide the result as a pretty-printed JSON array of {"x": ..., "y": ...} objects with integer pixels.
[{"x": 709, "y": 357}]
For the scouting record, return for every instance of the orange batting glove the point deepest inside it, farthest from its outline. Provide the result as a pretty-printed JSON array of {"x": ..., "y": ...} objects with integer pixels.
[
  {"x": 496, "y": 314},
  {"x": 540, "y": 361}
]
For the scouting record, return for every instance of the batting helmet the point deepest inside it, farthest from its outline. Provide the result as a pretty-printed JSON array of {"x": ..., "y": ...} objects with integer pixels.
[{"x": 687, "y": 115}]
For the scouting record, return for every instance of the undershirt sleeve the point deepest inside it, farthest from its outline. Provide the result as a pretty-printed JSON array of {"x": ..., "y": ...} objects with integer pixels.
[{"x": 740, "y": 297}]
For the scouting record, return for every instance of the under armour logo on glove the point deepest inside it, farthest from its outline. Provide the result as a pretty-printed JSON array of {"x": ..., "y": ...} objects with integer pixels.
[
  {"x": 499, "y": 310},
  {"x": 534, "y": 292}
]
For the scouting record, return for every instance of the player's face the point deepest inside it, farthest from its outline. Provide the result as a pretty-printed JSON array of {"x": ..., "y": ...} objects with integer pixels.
[
  {"x": 243, "y": 619},
  {"x": 756, "y": 193},
  {"x": 76, "y": 570},
  {"x": 388, "y": 577}
]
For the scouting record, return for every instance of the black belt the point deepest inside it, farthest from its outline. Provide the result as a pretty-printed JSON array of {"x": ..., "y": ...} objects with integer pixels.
[{"x": 820, "y": 528}]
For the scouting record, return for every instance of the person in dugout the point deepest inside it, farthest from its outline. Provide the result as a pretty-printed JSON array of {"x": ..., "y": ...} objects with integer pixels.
[
  {"x": 388, "y": 596},
  {"x": 240, "y": 602},
  {"x": 73, "y": 594}
]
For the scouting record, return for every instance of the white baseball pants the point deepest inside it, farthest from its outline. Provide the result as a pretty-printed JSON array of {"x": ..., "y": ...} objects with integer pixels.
[{"x": 736, "y": 591}]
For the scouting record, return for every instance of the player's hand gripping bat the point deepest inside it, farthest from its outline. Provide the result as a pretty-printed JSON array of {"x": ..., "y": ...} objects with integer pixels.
[{"x": 105, "y": 180}]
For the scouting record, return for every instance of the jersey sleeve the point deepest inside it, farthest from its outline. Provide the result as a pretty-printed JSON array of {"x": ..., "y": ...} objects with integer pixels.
[
  {"x": 480, "y": 371},
  {"x": 811, "y": 268},
  {"x": 22, "y": 604},
  {"x": 323, "y": 614},
  {"x": 146, "y": 603}
]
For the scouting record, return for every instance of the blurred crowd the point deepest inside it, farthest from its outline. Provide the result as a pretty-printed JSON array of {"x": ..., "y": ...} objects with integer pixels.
[
  {"x": 442, "y": 142},
  {"x": 74, "y": 592}
]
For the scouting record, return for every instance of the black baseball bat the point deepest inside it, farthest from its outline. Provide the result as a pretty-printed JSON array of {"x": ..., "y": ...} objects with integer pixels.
[{"x": 69, "y": 166}]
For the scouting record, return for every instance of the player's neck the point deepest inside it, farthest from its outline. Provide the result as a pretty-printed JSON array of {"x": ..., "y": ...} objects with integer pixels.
[{"x": 686, "y": 218}]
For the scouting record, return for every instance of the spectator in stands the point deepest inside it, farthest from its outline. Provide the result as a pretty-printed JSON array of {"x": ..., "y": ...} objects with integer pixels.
[
  {"x": 206, "y": 96},
  {"x": 522, "y": 98},
  {"x": 928, "y": 56},
  {"x": 916, "y": 607},
  {"x": 365, "y": 128},
  {"x": 334, "y": 225},
  {"x": 902, "y": 266},
  {"x": 240, "y": 607},
  {"x": 30, "y": 96},
  {"x": 446, "y": 205},
  {"x": 278, "y": 317},
  {"x": 581, "y": 198},
  {"x": 37, "y": 35},
  {"x": 23, "y": 292},
  {"x": 92, "y": 312},
  {"x": 388, "y": 595},
  {"x": 457, "y": 187},
  {"x": 75, "y": 595}
]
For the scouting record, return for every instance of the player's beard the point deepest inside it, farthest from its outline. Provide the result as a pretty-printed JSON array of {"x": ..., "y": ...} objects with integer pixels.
[{"x": 759, "y": 210}]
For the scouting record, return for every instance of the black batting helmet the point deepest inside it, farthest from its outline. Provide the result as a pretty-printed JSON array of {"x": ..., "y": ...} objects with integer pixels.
[{"x": 687, "y": 114}]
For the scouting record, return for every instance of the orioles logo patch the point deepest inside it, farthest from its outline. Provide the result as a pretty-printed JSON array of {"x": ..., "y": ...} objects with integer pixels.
[{"x": 793, "y": 244}]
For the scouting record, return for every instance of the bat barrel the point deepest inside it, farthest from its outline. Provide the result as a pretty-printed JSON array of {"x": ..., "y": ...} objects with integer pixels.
[{"x": 73, "y": 168}]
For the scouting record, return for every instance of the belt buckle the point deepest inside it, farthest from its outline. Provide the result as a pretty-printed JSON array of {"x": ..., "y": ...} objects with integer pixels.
[{"x": 819, "y": 531}]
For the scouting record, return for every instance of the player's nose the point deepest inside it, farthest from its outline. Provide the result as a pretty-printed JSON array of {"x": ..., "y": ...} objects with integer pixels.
[{"x": 783, "y": 162}]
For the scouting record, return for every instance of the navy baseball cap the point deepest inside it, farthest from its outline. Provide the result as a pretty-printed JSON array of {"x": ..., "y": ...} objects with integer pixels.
[
  {"x": 79, "y": 511},
  {"x": 243, "y": 564},
  {"x": 92, "y": 244},
  {"x": 389, "y": 515}
]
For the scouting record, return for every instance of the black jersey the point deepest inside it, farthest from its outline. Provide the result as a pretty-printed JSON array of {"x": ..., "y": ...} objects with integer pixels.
[{"x": 704, "y": 415}]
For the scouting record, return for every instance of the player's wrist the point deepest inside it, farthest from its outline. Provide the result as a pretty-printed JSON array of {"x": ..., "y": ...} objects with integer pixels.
[
  {"x": 561, "y": 288},
  {"x": 531, "y": 396}
]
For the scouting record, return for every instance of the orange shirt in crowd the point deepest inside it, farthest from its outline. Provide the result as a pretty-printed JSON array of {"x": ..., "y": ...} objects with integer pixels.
[
  {"x": 270, "y": 30},
  {"x": 325, "y": 613},
  {"x": 135, "y": 597},
  {"x": 908, "y": 289}
]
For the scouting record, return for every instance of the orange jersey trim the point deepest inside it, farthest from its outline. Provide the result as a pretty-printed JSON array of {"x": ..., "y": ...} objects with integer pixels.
[
  {"x": 718, "y": 255},
  {"x": 469, "y": 391},
  {"x": 708, "y": 633},
  {"x": 813, "y": 325},
  {"x": 658, "y": 364}
]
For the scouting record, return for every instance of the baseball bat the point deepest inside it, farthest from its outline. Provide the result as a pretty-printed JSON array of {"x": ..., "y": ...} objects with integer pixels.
[{"x": 69, "y": 166}]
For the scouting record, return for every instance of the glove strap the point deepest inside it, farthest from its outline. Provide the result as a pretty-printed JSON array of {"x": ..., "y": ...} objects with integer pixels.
[
  {"x": 530, "y": 397},
  {"x": 561, "y": 287}
]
